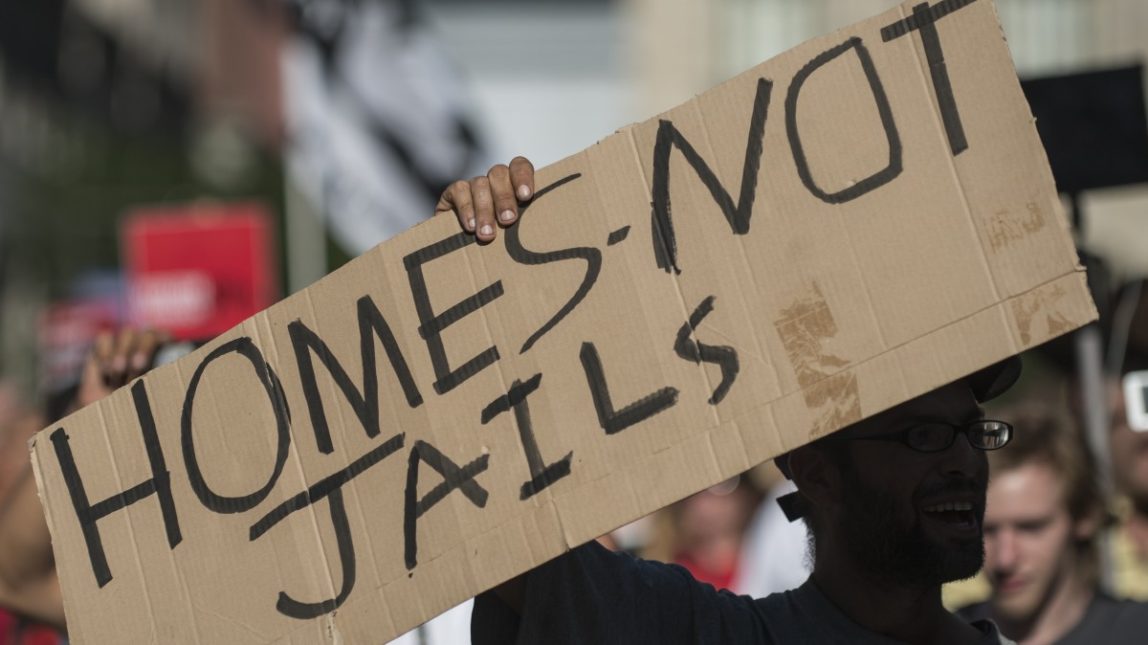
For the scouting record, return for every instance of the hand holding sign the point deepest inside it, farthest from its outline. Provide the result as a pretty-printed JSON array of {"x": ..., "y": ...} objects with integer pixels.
[
  {"x": 115, "y": 359},
  {"x": 476, "y": 202}
]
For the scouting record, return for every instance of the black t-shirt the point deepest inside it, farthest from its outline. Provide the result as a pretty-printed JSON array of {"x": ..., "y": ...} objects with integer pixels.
[
  {"x": 591, "y": 595},
  {"x": 1107, "y": 621}
]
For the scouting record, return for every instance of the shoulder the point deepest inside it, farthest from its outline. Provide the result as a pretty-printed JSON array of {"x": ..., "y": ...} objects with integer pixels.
[
  {"x": 975, "y": 612},
  {"x": 805, "y": 615},
  {"x": 1124, "y": 611},
  {"x": 1109, "y": 620}
]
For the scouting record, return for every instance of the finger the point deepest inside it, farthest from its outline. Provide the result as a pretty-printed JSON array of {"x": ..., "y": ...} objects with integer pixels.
[
  {"x": 505, "y": 203},
  {"x": 143, "y": 354},
  {"x": 116, "y": 369},
  {"x": 483, "y": 208},
  {"x": 522, "y": 178},
  {"x": 101, "y": 354},
  {"x": 457, "y": 199},
  {"x": 91, "y": 374},
  {"x": 98, "y": 356},
  {"x": 102, "y": 349}
]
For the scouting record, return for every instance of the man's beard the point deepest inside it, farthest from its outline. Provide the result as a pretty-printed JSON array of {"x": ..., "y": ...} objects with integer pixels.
[{"x": 878, "y": 540}]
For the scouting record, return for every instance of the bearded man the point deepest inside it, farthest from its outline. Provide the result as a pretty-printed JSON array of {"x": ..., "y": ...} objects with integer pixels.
[
  {"x": 894, "y": 506},
  {"x": 1044, "y": 516}
]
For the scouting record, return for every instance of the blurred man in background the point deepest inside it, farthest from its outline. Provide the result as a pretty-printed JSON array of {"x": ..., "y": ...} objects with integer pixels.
[{"x": 1043, "y": 518}]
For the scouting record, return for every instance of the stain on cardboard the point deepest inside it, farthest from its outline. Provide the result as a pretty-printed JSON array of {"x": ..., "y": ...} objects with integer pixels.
[
  {"x": 1008, "y": 226},
  {"x": 803, "y": 326},
  {"x": 837, "y": 402},
  {"x": 1037, "y": 315}
]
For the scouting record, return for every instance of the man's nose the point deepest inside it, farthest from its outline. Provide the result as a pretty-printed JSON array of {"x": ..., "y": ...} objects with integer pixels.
[
  {"x": 962, "y": 459},
  {"x": 1001, "y": 551}
]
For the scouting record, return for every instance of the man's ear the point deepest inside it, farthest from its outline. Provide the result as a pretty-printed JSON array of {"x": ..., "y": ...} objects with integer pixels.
[{"x": 817, "y": 475}]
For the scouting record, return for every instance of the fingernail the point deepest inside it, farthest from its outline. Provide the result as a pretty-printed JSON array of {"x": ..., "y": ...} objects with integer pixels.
[
  {"x": 470, "y": 224},
  {"x": 119, "y": 364},
  {"x": 139, "y": 362},
  {"x": 506, "y": 216},
  {"x": 486, "y": 230},
  {"x": 523, "y": 192}
]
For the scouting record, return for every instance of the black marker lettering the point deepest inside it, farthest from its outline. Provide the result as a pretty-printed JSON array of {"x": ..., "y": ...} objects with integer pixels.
[
  {"x": 738, "y": 216},
  {"x": 432, "y": 325},
  {"x": 924, "y": 20},
  {"x": 326, "y": 486},
  {"x": 210, "y": 499},
  {"x": 330, "y": 488},
  {"x": 541, "y": 474},
  {"x": 616, "y": 421},
  {"x": 618, "y": 235},
  {"x": 288, "y": 606},
  {"x": 453, "y": 477},
  {"x": 877, "y": 179},
  {"x": 159, "y": 485},
  {"x": 698, "y": 352},
  {"x": 364, "y": 402},
  {"x": 518, "y": 253}
]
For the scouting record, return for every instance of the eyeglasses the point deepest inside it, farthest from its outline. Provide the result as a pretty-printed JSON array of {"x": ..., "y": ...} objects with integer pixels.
[{"x": 935, "y": 436}]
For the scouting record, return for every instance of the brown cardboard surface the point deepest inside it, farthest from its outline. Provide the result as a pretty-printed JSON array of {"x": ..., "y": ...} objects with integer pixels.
[{"x": 924, "y": 242}]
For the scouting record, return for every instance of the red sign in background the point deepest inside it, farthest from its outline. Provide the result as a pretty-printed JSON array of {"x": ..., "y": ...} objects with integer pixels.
[{"x": 198, "y": 270}]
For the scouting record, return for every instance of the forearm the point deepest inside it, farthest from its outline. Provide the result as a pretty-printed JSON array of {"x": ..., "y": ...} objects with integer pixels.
[
  {"x": 25, "y": 543},
  {"x": 512, "y": 593},
  {"x": 28, "y": 582},
  {"x": 39, "y": 599}
]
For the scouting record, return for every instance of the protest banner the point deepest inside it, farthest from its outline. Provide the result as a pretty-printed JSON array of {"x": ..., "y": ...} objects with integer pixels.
[{"x": 842, "y": 228}]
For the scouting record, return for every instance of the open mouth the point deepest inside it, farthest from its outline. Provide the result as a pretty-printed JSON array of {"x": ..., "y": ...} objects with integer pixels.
[{"x": 956, "y": 514}]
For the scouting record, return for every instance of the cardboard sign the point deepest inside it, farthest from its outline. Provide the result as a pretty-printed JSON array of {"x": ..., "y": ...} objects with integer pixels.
[{"x": 847, "y": 226}]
